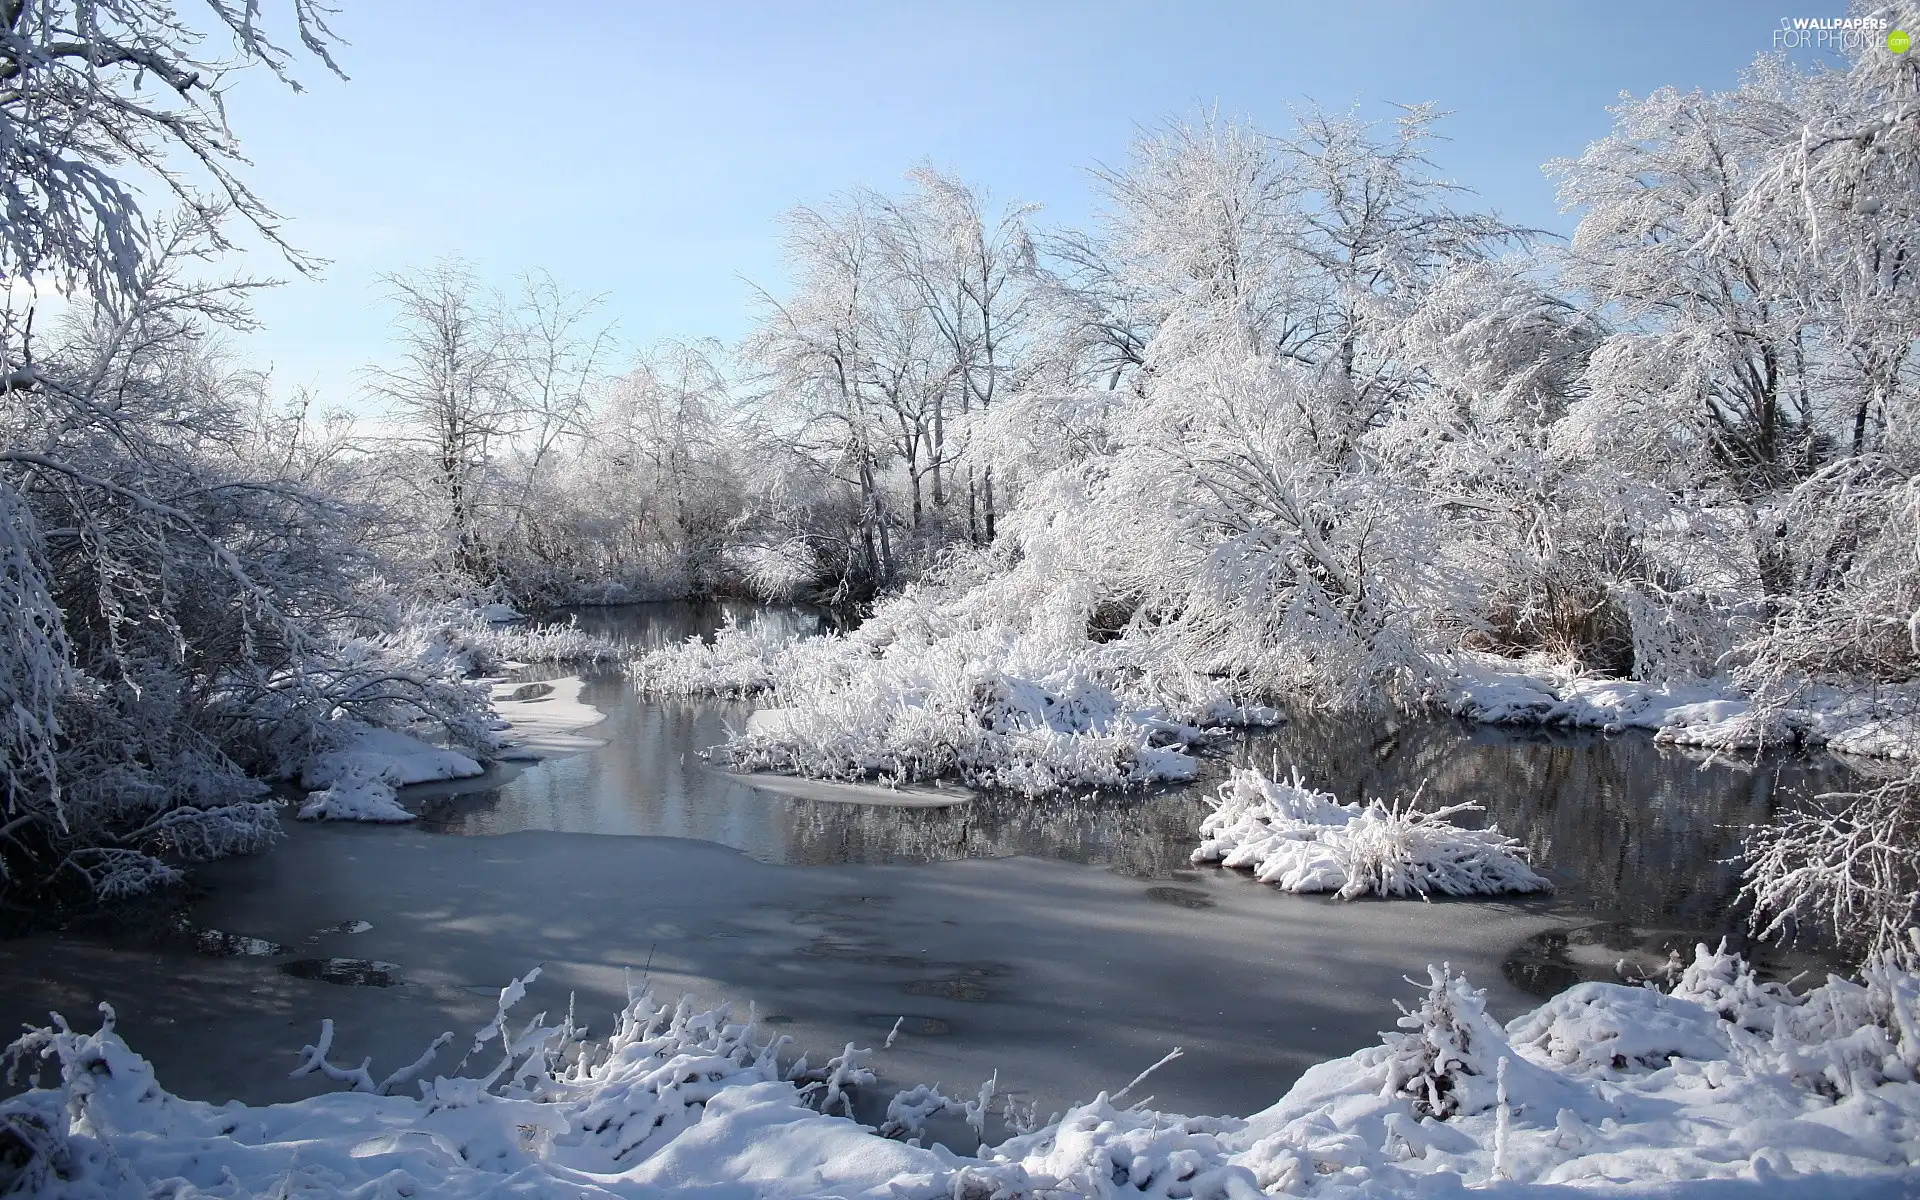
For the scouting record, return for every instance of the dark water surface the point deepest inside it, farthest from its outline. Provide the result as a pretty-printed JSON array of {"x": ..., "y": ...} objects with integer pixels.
[{"x": 1065, "y": 942}]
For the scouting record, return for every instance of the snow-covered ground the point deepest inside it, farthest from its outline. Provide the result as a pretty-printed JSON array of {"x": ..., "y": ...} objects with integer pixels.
[
  {"x": 1605, "y": 1088},
  {"x": 1711, "y": 714},
  {"x": 1303, "y": 840},
  {"x": 389, "y": 755},
  {"x": 355, "y": 798},
  {"x": 357, "y": 780}
]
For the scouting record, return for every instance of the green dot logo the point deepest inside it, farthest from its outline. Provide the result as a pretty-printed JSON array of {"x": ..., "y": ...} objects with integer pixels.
[{"x": 1899, "y": 41}]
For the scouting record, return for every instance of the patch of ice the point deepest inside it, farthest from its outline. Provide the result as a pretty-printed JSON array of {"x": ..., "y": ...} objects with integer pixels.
[
  {"x": 832, "y": 792},
  {"x": 546, "y": 724}
]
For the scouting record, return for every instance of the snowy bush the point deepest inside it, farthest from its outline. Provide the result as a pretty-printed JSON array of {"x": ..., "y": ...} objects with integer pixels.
[
  {"x": 1844, "y": 1038},
  {"x": 462, "y": 639},
  {"x": 1448, "y": 1054},
  {"x": 924, "y": 690},
  {"x": 777, "y": 572},
  {"x": 941, "y": 712},
  {"x": 741, "y": 659},
  {"x": 920, "y": 694},
  {"x": 1302, "y": 840}
]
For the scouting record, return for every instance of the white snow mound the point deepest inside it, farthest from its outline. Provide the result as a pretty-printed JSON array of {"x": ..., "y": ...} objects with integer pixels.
[
  {"x": 362, "y": 799},
  {"x": 1304, "y": 840},
  {"x": 394, "y": 758}
]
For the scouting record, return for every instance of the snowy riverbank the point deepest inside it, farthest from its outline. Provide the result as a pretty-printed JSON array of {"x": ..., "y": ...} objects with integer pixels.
[
  {"x": 918, "y": 694},
  {"x": 1606, "y": 1088},
  {"x": 356, "y": 781},
  {"x": 1710, "y": 714}
]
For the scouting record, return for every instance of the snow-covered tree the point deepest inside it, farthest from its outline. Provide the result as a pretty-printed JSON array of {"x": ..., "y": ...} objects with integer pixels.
[
  {"x": 191, "y": 604},
  {"x": 971, "y": 273},
  {"x": 100, "y": 96},
  {"x": 450, "y": 391}
]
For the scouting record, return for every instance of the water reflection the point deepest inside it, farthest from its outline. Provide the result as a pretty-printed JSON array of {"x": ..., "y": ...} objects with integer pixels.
[
  {"x": 1629, "y": 831},
  {"x": 1626, "y": 828},
  {"x": 347, "y": 972}
]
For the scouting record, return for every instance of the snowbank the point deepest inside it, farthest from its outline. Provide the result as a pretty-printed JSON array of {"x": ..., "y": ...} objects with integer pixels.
[
  {"x": 354, "y": 800},
  {"x": 1618, "y": 1090},
  {"x": 498, "y": 613},
  {"x": 674, "y": 1098},
  {"x": 1302, "y": 840},
  {"x": 388, "y": 755},
  {"x": 355, "y": 781},
  {"x": 1711, "y": 714}
]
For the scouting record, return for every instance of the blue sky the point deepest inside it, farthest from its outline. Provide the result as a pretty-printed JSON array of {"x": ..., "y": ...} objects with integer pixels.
[{"x": 644, "y": 150}]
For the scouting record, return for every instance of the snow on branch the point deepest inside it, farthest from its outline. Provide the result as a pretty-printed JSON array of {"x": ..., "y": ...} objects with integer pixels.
[{"x": 76, "y": 115}]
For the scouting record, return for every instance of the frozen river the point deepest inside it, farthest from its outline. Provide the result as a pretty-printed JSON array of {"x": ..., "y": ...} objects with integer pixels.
[{"x": 1064, "y": 943}]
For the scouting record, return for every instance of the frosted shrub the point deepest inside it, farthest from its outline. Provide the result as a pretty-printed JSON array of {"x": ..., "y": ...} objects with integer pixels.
[
  {"x": 1303, "y": 840},
  {"x": 1723, "y": 983},
  {"x": 465, "y": 639},
  {"x": 144, "y": 781},
  {"x": 1448, "y": 1057},
  {"x": 942, "y": 687},
  {"x": 1851, "y": 614},
  {"x": 989, "y": 707},
  {"x": 1681, "y": 636},
  {"x": 742, "y": 659},
  {"x": 1842, "y": 1038},
  {"x": 777, "y": 572},
  {"x": 1847, "y": 864}
]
